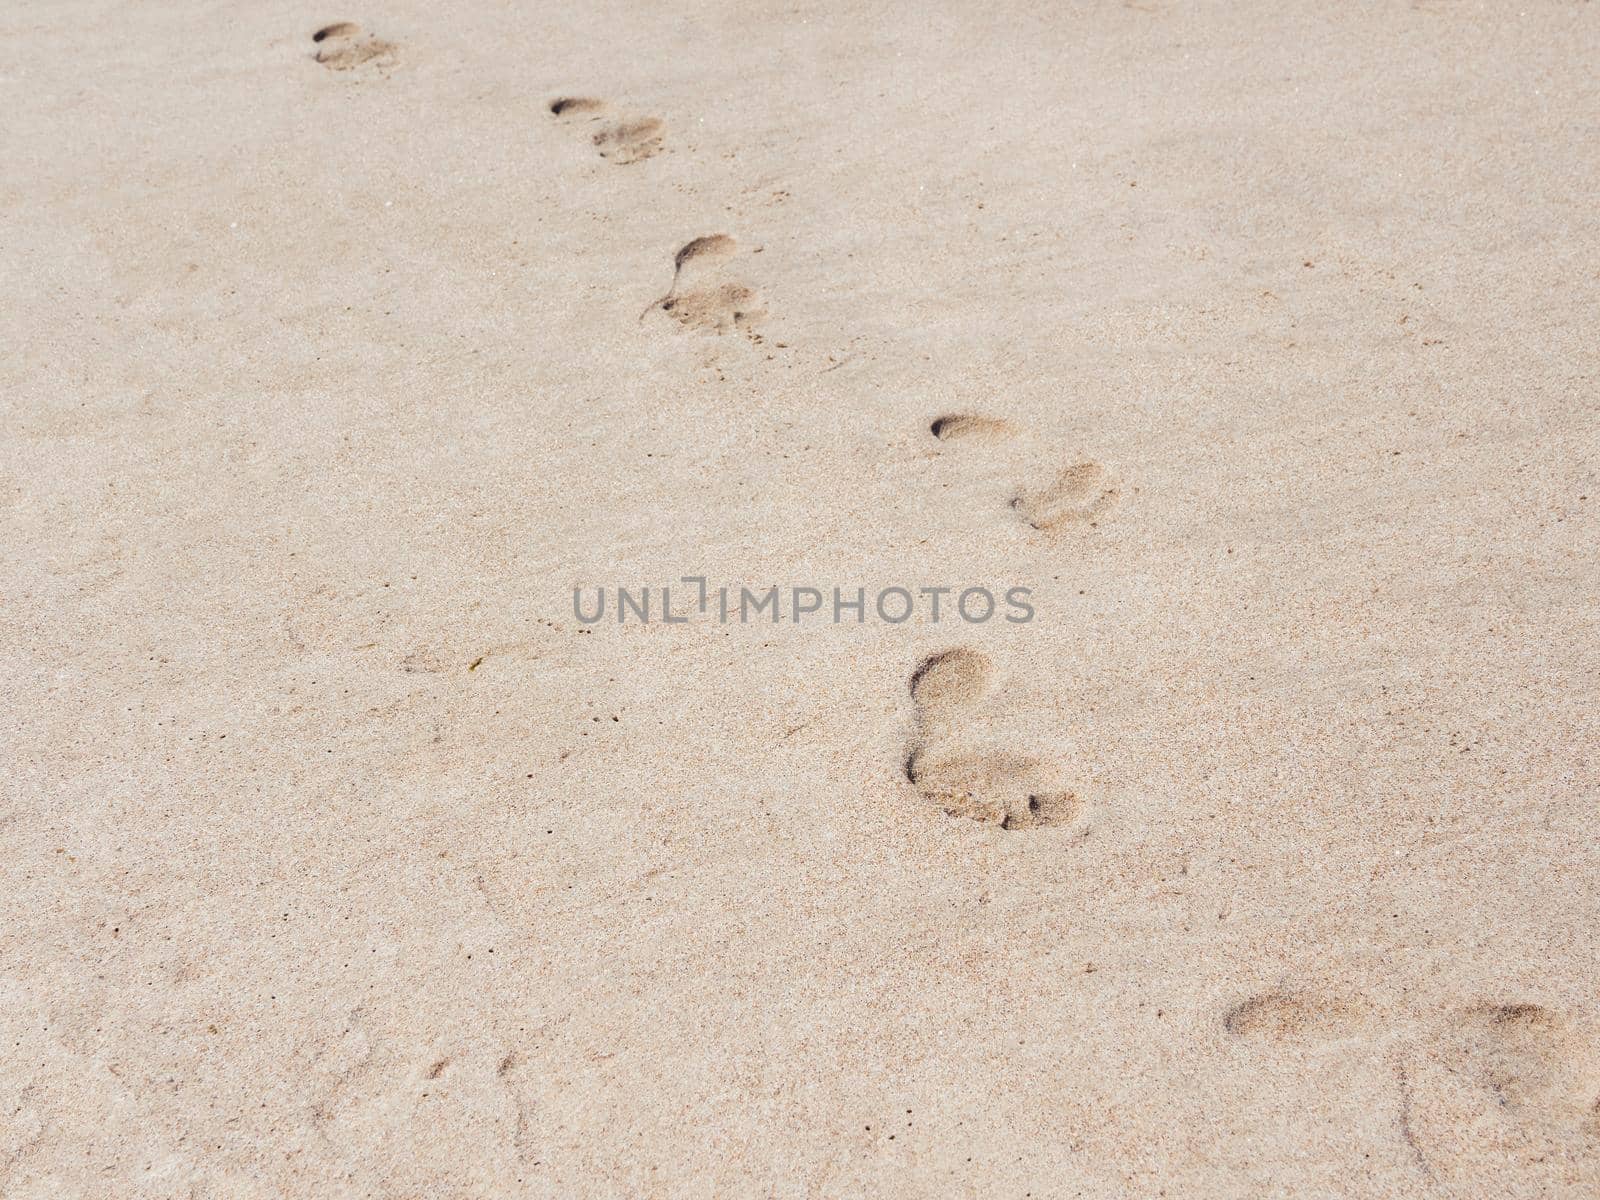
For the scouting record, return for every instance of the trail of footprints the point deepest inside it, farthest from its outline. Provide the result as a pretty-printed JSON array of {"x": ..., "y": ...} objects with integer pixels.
[
  {"x": 703, "y": 296},
  {"x": 1527, "y": 1069},
  {"x": 1534, "y": 1066}
]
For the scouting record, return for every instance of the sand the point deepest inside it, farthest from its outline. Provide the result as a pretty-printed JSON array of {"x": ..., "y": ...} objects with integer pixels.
[{"x": 1258, "y": 341}]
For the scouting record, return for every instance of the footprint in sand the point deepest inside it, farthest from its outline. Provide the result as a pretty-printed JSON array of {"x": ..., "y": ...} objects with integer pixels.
[
  {"x": 702, "y": 296},
  {"x": 1535, "y": 1063},
  {"x": 1080, "y": 495},
  {"x": 343, "y": 46},
  {"x": 1292, "y": 1016},
  {"x": 984, "y": 784},
  {"x": 1498, "y": 1098},
  {"x": 1504, "y": 1099},
  {"x": 622, "y": 141}
]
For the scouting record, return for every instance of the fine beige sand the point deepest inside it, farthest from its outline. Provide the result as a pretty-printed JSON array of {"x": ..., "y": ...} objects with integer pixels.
[{"x": 1260, "y": 341}]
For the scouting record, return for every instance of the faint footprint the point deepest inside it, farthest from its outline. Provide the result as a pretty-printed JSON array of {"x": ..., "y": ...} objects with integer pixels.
[
  {"x": 1285, "y": 1016},
  {"x": 1507, "y": 1101},
  {"x": 714, "y": 304},
  {"x": 1535, "y": 1062},
  {"x": 342, "y": 46},
  {"x": 1503, "y": 1096},
  {"x": 629, "y": 140},
  {"x": 1081, "y": 495},
  {"x": 994, "y": 787}
]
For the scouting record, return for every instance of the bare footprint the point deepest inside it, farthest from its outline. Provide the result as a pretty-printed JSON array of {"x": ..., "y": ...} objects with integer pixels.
[
  {"x": 721, "y": 308},
  {"x": 711, "y": 248},
  {"x": 624, "y": 141},
  {"x": 1507, "y": 1101},
  {"x": 342, "y": 46},
  {"x": 994, "y": 787},
  {"x": 713, "y": 304},
  {"x": 630, "y": 141},
  {"x": 1286, "y": 1016},
  {"x": 946, "y": 683},
  {"x": 1535, "y": 1062},
  {"x": 1080, "y": 495}
]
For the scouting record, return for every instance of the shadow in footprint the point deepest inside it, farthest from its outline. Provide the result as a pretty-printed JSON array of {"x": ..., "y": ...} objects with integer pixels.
[
  {"x": 572, "y": 106},
  {"x": 960, "y": 426}
]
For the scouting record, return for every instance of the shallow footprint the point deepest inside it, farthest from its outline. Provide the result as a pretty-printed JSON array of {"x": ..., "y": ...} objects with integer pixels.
[
  {"x": 1532, "y": 1060},
  {"x": 995, "y": 788},
  {"x": 623, "y": 141},
  {"x": 1079, "y": 495},
  {"x": 946, "y": 683},
  {"x": 630, "y": 141},
  {"x": 1285, "y": 1016},
  {"x": 720, "y": 308},
  {"x": 342, "y": 46}
]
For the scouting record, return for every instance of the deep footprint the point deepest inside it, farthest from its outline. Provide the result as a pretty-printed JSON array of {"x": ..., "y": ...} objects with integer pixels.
[
  {"x": 993, "y": 787},
  {"x": 572, "y": 106},
  {"x": 342, "y": 46}
]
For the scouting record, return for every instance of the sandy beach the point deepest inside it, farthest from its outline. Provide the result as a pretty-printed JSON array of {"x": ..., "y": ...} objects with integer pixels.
[{"x": 351, "y": 356}]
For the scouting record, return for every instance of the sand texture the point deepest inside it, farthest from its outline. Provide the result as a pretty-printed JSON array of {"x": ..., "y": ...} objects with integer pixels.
[{"x": 1261, "y": 341}]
